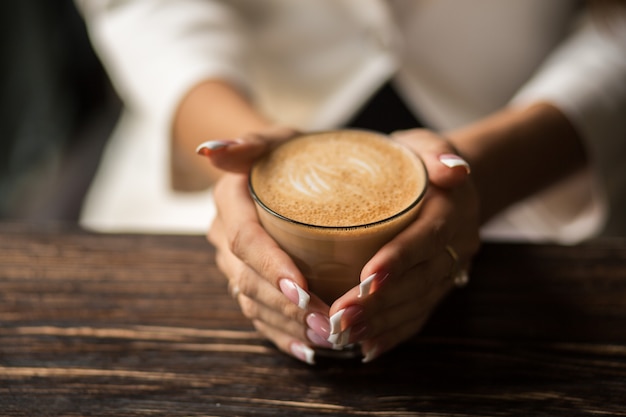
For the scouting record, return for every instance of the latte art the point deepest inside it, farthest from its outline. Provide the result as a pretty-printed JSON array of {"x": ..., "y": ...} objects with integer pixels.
[
  {"x": 338, "y": 179},
  {"x": 318, "y": 180}
]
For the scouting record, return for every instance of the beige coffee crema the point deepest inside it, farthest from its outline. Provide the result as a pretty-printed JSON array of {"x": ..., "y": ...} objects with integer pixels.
[{"x": 339, "y": 179}]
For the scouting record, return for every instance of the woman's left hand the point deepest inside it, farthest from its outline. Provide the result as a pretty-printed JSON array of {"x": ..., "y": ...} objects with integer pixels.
[{"x": 410, "y": 275}]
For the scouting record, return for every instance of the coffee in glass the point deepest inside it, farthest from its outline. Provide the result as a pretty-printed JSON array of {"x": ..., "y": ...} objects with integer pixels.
[{"x": 332, "y": 199}]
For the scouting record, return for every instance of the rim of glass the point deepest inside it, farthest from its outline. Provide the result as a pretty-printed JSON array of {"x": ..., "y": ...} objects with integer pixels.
[{"x": 405, "y": 210}]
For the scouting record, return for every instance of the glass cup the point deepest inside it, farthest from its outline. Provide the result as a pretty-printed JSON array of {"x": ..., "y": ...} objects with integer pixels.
[{"x": 326, "y": 199}]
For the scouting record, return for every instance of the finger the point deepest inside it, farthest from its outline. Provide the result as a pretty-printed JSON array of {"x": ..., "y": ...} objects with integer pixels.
[
  {"x": 404, "y": 321},
  {"x": 296, "y": 348},
  {"x": 295, "y": 328},
  {"x": 261, "y": 302},
  {"x": 374, "y": 348},
  {"x": 410, "y": 297},
  {"x": 421, "y": 240},
  {"x": 290, "y": 324},
  {"x": 226, "y": 264},
  {"x": 216, "y": 235},
  {"x": 243, "y": 279},
  {"x": 238, "y": 155},
  {"x": 400, "y": 300},
  {"x": 248, "y": 240},
  {"x": 395, "y": 325},
  {"x": 230, "y": 266},
  {"x": 271, "y": 304},
  {"x": 445, "y": 167}
]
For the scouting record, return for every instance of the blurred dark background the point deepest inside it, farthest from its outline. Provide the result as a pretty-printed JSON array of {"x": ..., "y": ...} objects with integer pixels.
[{"x": 57, "y": 109}]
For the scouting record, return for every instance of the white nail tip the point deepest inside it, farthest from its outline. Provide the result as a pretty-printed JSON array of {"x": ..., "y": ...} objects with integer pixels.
[
  {"x": 370, "y": 355},
  {"x": 213, "y": 145},
  {"x": 340, "y": 340},
  {"x": 345, "y": 338},
  {"x": 366, "y": 285},
  {"x": 335, "y": 322},
  {"x": 303, "y": 297},
  {"x": 452, "y": 161},
  {"x": 303, "y": 352}
]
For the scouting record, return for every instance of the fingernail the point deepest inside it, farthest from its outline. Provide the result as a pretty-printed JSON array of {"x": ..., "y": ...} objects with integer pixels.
[
  {"x": 319, "y": 324},
  {"x": 365, "y": 287},
  {"x": 211, "y": 146},
  {"x": 294, "y": 293},
  {"x": 335, "y": 322},
  {"x": 303, "y": 352},
  {"x": 349, "y": 315},
  {"x": 340, "y": 340},
  {"x": 317, "y": 340},
  {"x": 452, "y": 161},
  {"x": 370, "y": 355}
]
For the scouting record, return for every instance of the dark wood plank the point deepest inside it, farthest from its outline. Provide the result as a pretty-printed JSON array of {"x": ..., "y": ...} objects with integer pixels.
[{"x": 138, "y": 325}]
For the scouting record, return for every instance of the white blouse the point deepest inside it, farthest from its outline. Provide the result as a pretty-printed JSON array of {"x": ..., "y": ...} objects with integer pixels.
[{"x": 312, "y": 63}]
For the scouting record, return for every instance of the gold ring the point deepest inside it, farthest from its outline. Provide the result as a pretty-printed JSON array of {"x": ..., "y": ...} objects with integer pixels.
[{"x": 459, "y": 276}]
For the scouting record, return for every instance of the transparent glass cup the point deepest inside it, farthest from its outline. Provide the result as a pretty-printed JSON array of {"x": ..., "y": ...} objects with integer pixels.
[{"x": 332, "y": 257}]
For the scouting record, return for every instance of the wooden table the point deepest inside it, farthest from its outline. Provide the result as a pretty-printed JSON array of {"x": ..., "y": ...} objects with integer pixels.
[{"x": 139, "y": 325}]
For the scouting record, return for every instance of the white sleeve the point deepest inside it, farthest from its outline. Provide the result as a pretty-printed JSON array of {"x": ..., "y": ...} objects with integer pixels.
[
  {"x": 585, "y": 78},
  {"x": 156, "y": 50}
]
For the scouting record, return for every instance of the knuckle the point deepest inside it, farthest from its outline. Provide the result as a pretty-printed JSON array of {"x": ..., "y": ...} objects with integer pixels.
[
  {"x": 292, "y": 311},
  {"x": 248, "y": 286},
  {"x": 242, "y": 239},
  {"x": 239, "y": 240},
  {"x": 266, "y": 264},
  {"x": 249, "y": 307}
]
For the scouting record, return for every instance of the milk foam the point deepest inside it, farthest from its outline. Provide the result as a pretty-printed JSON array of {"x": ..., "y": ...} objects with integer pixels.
[
  {"x": 316, "y": 180},
  {"x": 340, "y": 178}
]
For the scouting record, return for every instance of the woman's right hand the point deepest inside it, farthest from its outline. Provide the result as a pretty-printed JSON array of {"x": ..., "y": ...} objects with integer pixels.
[{"x": 270, "y": 289}]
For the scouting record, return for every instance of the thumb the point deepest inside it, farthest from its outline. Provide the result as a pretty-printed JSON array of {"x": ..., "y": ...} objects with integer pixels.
[
  {"x": 238, "y": 155},
  {"x": 446, "y": 169}
]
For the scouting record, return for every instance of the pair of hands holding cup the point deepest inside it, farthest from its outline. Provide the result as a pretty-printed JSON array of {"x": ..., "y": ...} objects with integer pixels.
[{"x": 409, "y": 275}]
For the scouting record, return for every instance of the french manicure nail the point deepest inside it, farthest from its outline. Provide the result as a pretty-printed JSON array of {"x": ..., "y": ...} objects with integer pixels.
[
  {"x": 342, "y": 339},
  {"x": 319, "y": 323},
  {"x": 335, "y": 322},
  {"x": 370, "y": 355},
  {"x": 294, "y": 293},
  {"x": 339, "y": 340},
  {"x": 207, "y": 148},
  {"x": 317, "y": 340},
  {"x": 334, "y": 338},
  {"x": 366, "y": 285},
  {"x": 349, "y": 315},
  {"x": 451, "y": 161},
  {"x": 303, "y": 352}
]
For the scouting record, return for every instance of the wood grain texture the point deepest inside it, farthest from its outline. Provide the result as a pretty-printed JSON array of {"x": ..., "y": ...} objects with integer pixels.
[{"x": 138, "y": 325}]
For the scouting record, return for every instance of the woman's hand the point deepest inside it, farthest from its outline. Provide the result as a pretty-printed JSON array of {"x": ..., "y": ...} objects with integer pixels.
[
  {"x": 416, "y": 266},
  {"x": 270, "y": 289},
  {"x": 410, "y": 275}
]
